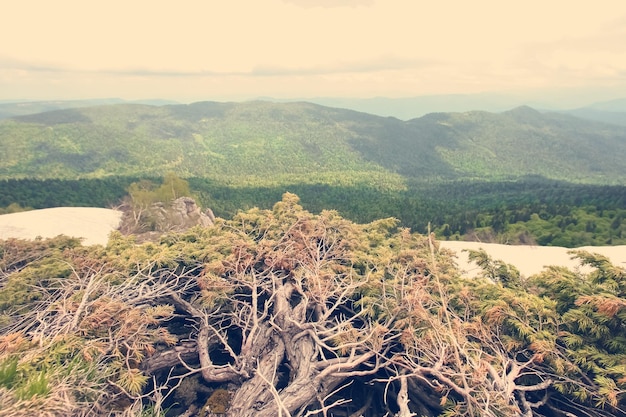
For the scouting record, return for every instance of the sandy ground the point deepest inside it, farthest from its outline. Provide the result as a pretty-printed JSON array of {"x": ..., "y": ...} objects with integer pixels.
[
  {"x": 91, "y": 224},
  {"x": 530, "y": 260},
  {"x": 95, "y": 224}
]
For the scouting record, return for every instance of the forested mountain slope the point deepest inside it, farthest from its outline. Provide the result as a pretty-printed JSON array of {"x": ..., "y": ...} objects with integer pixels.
[
  {"x": 257, "y": 143},
  {"x": 525, "y": 141}
]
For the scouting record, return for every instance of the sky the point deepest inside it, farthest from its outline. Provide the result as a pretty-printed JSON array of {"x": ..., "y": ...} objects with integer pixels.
[{"x": 194, "y": 50}]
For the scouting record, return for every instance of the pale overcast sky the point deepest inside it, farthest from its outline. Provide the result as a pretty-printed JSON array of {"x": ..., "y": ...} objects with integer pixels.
[{"x": 237, "y": 49}]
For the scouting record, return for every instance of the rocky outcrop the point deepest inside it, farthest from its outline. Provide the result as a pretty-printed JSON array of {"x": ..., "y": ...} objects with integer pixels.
[
  {"x": 185, "y": 213},
  {"x": 151, "y": 222}
]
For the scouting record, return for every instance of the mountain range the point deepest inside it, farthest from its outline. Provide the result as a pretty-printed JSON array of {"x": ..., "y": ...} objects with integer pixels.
[
  {"x": 24, "y": 107},
  {"x": 612, "y": 111},
  {"x": 269, "y": 143},
  {"x": 404, "y": 108}
]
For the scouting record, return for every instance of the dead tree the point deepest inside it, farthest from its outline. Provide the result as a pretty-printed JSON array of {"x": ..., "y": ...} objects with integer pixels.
[
  {"x": 278, "y": 313},
  {"x": 281, "y": 307}
]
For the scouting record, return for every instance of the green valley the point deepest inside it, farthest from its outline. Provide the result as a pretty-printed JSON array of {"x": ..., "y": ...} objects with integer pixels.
[
  {"x": 270, "y": 143},
  {"x": 468, "y": 174}
]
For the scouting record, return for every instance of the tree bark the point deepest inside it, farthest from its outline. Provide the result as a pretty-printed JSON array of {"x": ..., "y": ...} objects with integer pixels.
[
  {"x": 403, "y": 399},
  {"x": 188, "y": 352},
  {"x": 254, "y": 397}
]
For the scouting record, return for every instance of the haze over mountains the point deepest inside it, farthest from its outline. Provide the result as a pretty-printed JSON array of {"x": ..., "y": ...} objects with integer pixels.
[
  {"x": 25, "y": 107},
  {"x": 404, "y": 108},
  {"x": 304, "y": 142},
  {"x": 612, "y": 111}
]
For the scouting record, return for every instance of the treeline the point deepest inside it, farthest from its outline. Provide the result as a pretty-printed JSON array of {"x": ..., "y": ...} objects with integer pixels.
[
  {"x": 38, "y": 194},
  {"x": 528, "y": 211},
  {"x": 534, "y": 211}
]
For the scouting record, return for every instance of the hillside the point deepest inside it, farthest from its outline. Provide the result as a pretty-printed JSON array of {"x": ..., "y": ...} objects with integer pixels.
[
  {"x": 524, "y": 141},
  {"x": 264, "y": 143},
  {"x": 24, "y": 107}
]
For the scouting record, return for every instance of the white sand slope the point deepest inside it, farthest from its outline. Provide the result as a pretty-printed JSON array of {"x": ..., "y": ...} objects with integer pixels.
[
  {"x": 530, "y": 260},
  {"x": 91, "y": 224}
]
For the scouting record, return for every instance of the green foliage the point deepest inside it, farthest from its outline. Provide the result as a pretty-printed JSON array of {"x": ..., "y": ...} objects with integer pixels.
[
  {"x": 65, "y": 328},
  {"x": 281, "y": 143},
  {"x": 144, "y": 193},
  {"x": 173, "y": 187},
  {"x": 593, "y": 312},
  {"x": 495, "y": 270},
  {"x": 147, "y": 205},
  {"x": 132, "y": 380},
  {"x": 14, "y": 208},
  {"x": 36, "y": 386},
  {"x": 153, "y": 411},
  {"x": 95, "y": 317},
  {"x": 104, "y": 192},
  {"x": 8, "y": 371},
  {"x": 28, "y": 265}
]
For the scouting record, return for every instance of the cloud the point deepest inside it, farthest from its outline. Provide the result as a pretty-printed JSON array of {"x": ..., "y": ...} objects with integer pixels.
[
  {"x": 139, "y": 72},
  {"x": 374, "y": 65},
  {"x": 308, "y": 4},
  {"x": 576, "y": 59},
  {"x": 367, "y": 66},
  {"x": 13, "y": 64},
  {"x": 33, "y": 67},
  {"x": 618, "y": 24}
]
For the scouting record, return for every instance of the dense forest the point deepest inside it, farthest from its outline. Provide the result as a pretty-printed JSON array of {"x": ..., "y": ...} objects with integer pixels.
[
  {"x": 527, "y": 211},
  {"x": 283, "y": 312}
]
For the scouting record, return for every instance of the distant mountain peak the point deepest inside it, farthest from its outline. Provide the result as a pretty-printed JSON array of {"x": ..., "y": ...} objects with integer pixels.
[
  {"x": 523, "y": 110},
  {"x": 616, "y": 105},
  {"x": 525, "y": 114}
]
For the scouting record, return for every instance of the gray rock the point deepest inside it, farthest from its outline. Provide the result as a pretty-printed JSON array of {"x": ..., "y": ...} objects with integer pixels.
[{"x": 182, "y": 214}]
